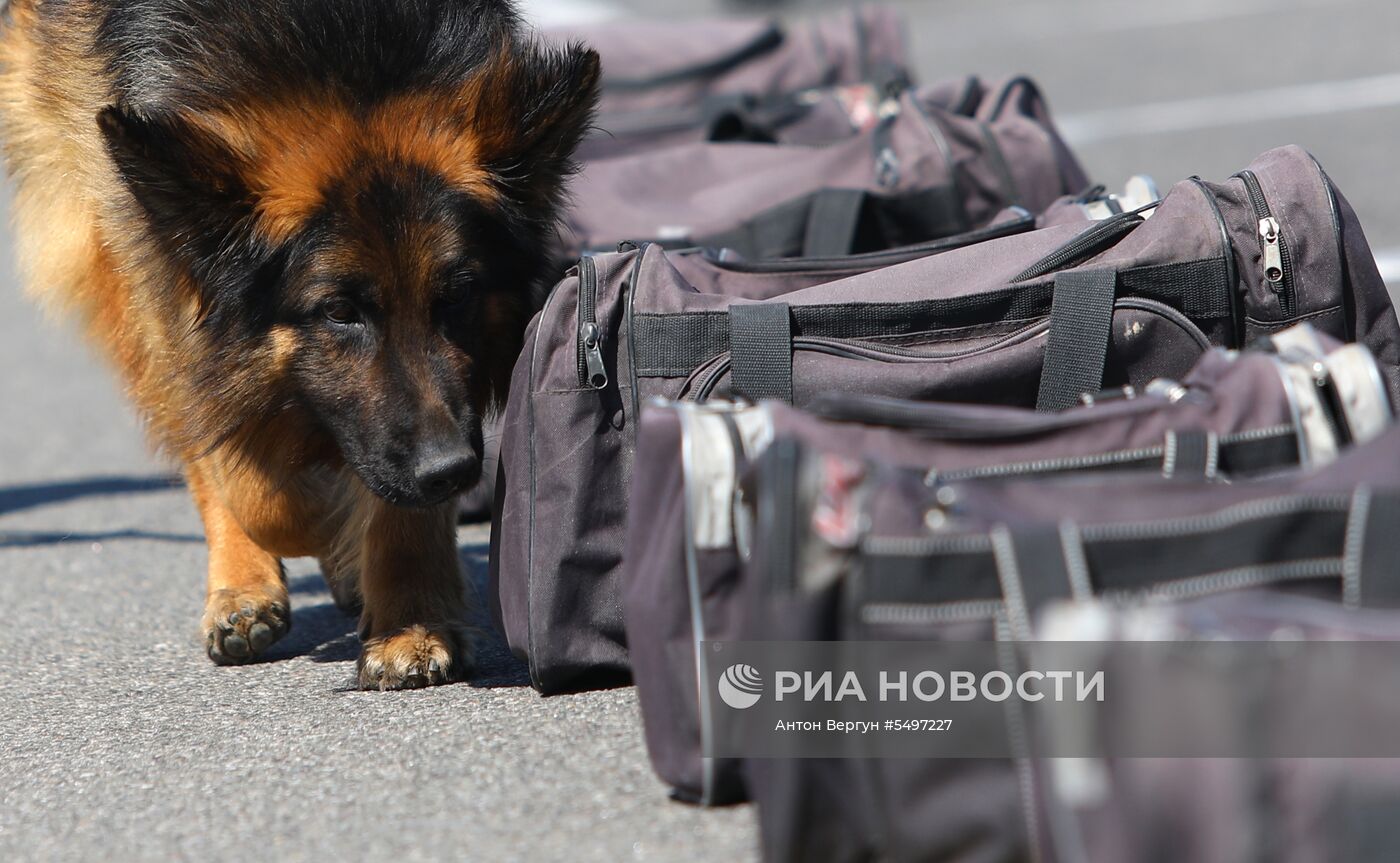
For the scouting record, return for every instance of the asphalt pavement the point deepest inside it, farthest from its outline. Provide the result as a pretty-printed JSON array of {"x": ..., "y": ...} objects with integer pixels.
[{"x": 120, "y": 741}]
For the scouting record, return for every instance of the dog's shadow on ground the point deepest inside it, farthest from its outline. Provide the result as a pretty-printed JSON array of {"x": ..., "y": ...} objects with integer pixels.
[
  {"x": 323, "y": 633},
  {"x": 26, "y": 496}
]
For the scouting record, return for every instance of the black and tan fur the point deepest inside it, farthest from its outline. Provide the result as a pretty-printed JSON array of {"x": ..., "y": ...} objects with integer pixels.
[{"x": 305, "y": 233}]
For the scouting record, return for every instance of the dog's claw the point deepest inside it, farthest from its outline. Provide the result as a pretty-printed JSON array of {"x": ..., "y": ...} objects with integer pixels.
[{"x": 415, "y": 657}]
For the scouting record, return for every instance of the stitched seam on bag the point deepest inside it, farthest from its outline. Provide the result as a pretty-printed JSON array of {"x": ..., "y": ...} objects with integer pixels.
[
  {"x": 1233, "y": 579},
  {"x": 1019, "y": 739},
  {"x": 1008, "y": 327},
  {"x": 1355, "y": 547},
  {"x": 1018, "y": 616},
  {"x": 1278, "y": 325},
  {"x": 1050, "y": 465},
  {"x": 918, "y": 546},
  {"x": 573, "y": 391},
  {"x": 1258, "y": 434},
  {"x": 1116, "y": 457},
  {"x": 1072, "y": 546},
  {"x": 897, "y": 613},
  {"x": 1228, "y": 517}
]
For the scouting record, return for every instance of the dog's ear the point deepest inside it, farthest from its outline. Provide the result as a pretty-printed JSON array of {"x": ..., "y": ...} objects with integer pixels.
[
  {"x": 189, "y": 187},
  {"x": 533, "y": 105}
]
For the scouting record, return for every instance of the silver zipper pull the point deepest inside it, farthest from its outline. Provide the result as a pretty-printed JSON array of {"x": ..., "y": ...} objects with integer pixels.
[
  {"x": 1273, "y": 259},
  {"x": 593, "y": 356}
]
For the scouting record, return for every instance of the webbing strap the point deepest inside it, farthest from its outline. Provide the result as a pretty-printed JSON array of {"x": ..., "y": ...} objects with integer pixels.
[
  {"x": 775, "y": 233},
  {"x": 1081, "y": 318},
  {"x": 1243, "y": 457},
  {"x": 674, "y": 344},
  {"x": 1191, "y": 453},
  {"x": 831, "y": 223},
  {"x": 1379, "y": 575},
  {"x": 760, "y": 350},
  {"x": 1033, "y": 570}
]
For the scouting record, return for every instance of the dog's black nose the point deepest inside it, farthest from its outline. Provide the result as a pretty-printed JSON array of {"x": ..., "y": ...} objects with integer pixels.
[{"x": 443, "y": 472}]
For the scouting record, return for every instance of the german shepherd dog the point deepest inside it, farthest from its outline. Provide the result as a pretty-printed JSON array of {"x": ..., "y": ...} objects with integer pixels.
[{"x": 306, "y": 233}]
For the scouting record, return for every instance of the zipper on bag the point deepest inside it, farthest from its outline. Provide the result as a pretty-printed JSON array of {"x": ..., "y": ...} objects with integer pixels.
[
  {"x": 1273, "y": 247},
  {"x": 707, "y": 377},
  {"x": 1088, "y": 243},
  {"x": 1334, "y": 410},
  {"x": 1022, "y": 223},
  {"x": 591, "y": 372}
]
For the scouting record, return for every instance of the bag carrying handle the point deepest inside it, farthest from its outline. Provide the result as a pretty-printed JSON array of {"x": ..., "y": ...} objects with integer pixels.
[
  {"x": 830, "y": 222},
  {"x": 1081, "y": 316},
  {"x": 1371, "y": 560},
  {"x": 1036, "y": 566},
  {"x": 760, "y": 350},
  {"x": 1044, "y": 563},
  {"x": 762, "y": 43},
  {"x": 1081, "y": 322}
]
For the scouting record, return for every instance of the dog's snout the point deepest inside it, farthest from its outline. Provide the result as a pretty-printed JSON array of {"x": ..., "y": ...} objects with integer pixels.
[{"x": 444, "y": 471}]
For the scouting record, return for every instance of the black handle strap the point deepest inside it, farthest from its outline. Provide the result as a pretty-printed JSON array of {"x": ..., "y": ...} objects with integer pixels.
[
  {"x": 1038, "y": 565},
  {"x": 1081, "y": 318},
  {"x": 1371, "y": 561},
  {"x": 835, "y": 222},
  {"x": 832, "y": 222},
  {"x": 760, "y": 350},
  {"x": 823, "y": 223},
  {"x": 763, "y": 42},
  {"x": 1191, "y": 453}
]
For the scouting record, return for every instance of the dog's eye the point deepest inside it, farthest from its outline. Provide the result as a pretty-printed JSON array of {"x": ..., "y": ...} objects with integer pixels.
[
  {"x": 457, "y": 294},
  {"x": 341, "y": 312}
]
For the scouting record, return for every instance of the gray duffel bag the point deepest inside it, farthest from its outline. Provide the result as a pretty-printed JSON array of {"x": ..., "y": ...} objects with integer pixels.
[
  {"x": 1037, "y": 318},
  {"x": 920, "y": 171},
  {"x": 1237, "y": 416}
]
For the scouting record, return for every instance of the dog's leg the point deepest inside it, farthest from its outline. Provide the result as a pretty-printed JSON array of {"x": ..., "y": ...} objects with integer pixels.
[
  {"x": 345, "y": 525},
  {"x": 344, "y": 582},
  {"x": 246, "y": 608},
  {"x": 415, "y": 610}
]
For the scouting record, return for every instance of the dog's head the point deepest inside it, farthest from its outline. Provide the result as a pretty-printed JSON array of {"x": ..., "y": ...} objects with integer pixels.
[{"x": 376, "y": 255}]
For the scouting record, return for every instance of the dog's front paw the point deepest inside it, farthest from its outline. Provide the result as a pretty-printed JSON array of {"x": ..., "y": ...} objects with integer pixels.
[
  {"x": 239, "y": 625},
  {"x": 414, "y": 657}
]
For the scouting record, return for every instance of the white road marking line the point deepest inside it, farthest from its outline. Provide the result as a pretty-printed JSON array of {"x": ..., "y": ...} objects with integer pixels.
[
  {"x": 1138, "y": 16},
  {"x": 1280, "y": 103},
  {"x": 1041, "y": 20}
]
